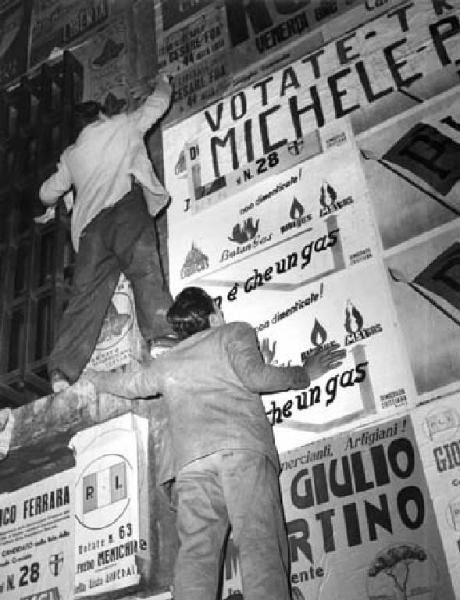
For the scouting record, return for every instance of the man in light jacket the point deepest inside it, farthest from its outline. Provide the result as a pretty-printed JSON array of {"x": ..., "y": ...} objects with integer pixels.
[
  {"x": 225, "y": 459},
  {"x": 116, "y": 196}
]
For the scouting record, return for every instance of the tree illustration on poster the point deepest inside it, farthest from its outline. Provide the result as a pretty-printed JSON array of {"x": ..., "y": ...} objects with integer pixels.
[{"x": 398, "y": 564}]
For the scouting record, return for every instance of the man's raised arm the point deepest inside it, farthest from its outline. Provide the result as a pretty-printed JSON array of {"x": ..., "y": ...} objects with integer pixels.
[{"x": 154, "y": 106}]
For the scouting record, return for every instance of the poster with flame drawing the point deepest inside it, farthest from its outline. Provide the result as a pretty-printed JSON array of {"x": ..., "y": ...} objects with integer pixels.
[
  {"x": 288, "y": 230},
  {"x": 390, "y": 64},
  {"x": 352, "y": 308}
]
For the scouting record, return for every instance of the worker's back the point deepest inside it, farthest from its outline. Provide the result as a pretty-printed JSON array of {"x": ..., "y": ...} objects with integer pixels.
[{"x": 210, "y": 408}]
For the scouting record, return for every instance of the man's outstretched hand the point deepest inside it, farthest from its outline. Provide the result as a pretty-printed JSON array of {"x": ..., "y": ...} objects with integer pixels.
[{"x": 322, "y": 361}]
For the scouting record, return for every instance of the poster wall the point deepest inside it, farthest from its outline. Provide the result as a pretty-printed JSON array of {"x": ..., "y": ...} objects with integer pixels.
[
  {"x": 194, "y": 194},
  {"x": 425, "y": 282},
  {"x": 437, "y": 429},
  {"x": 212, "y": 47},
  {"x": 325, "y": 192},
  {"x": 111, "y": 474},
  {"x": 384, "y": 67},
  {"x": 412, "y": 168},
  {"x": 351, "y": 308},
  {"x": 194, "y": 52},
  {"x": 360, "y": 518},
  {"x": 55, "y": 24},
  {"x": 37, "y": 539},
  {"x": 106, "y": 64}
]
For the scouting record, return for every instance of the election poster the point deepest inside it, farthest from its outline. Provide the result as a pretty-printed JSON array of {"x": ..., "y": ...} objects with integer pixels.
[
  {"x": 214, "y": 47},
  {"x": 327, "y": 248},
  {"x": 55, "y": 24},
  {"x": 424, "y": 282},
  {"x": 412, "y": 168},
  {"x": 37, "y": 539},
  {"x": 196, "y": 54},
  {"x": 14, "y": 38},
  {"x": 360, "y": 518},
  {"x": 437, "y": 429},
  {"x": 315, "y": 208},
  {"x": 110, "y": 495},
  {"x": 271, "y": 32},
  {"x": 119, "y": 340},
  {"x": 352, "y": 309},
  {"x": 173, "y": 13},
  {"x": 385, "y": 67},
  {"x": 195, "y": 194},
  {"x": 106, "y": 64}
]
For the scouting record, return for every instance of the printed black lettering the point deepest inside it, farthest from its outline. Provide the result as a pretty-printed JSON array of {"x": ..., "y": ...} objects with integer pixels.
[
  {"x": 238, "y": 13},
  {"x": 313, "y": 60},
  {"x": 378, "y": 516},
  {"x": 214, "y": 124},
  {"x": 296, "y": 112},
  {"x": 371, "y": 95},
  {"x": 453, "y": 27},
  {"x": 263, "y": 89},
  {"x": 352, "y": 527},
  {"x": 267, "y": 146},
  {"x": 343, "y": 50},
  {"x": 218, "y": 142},
  {"x": 298, "y": 534},
  {"x": 337, "y": 94},
  {"x": 289, "y": 79},
  {"x": 413, "y": 496},
  {"x": 325, "y": 518},
  {"x": 401, "y": 13},
  {"x": 396, "y": 66}
]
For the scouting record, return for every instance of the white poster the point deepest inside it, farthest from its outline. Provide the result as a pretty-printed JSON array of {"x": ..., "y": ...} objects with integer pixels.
[
  {"x": 359, "y": 513},
  {"x": 325, "y": 195},
  {"x": 383, "y": 68},
  {"x": 437, "y": 428},
  {"x": 360, "y": 519},
  {"x": 352, "y": 308},
  {"x": 37, "y": 540},
  {"x": 110, "y": 473}
]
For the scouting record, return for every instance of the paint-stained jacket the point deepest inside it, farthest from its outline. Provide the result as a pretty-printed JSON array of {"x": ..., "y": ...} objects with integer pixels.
[{"x": 212, "y": 383}]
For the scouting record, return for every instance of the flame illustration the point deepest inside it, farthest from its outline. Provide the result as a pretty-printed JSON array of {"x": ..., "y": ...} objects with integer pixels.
[
  {"x": 327, "y": 192},
  {"x": 244, "y": 233},
  {"x": 297, "y": 210},
  {"x": 353, "y": 318},
  {"x": 318, "y": 334}
]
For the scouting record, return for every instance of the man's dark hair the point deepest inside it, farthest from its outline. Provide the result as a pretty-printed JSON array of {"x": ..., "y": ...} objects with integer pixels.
[
  {"x": 190, "y": 312},
  {"x": 86, "y": 113}
]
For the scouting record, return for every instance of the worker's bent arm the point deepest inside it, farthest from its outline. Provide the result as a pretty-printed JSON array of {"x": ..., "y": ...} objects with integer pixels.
[
  {"x": 56, "y": 185},
  {"x": 153, "y": 107}
]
